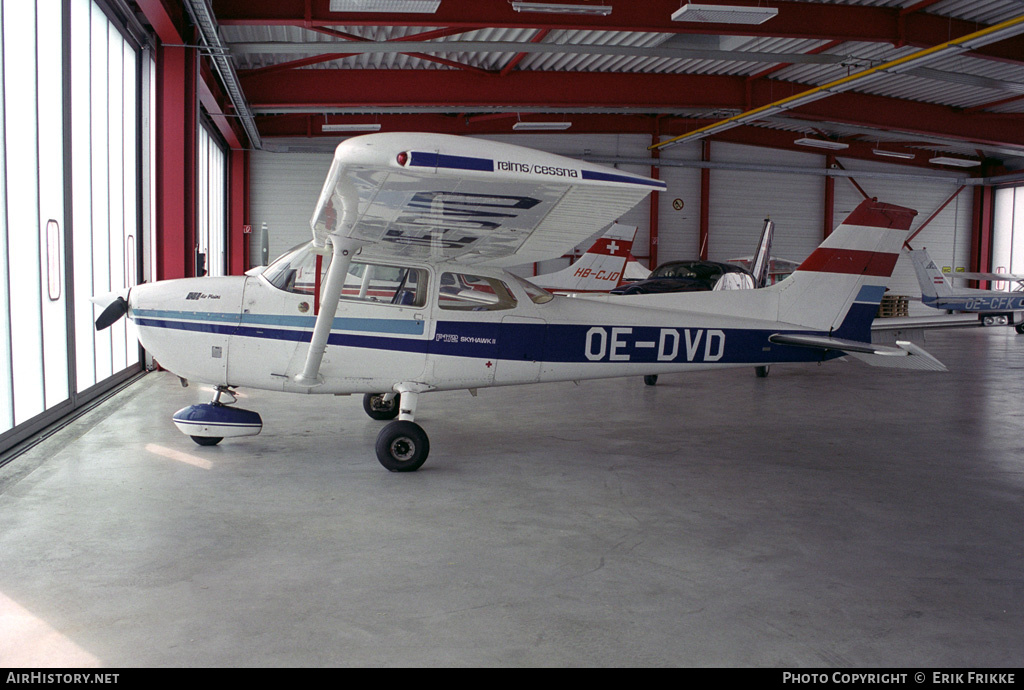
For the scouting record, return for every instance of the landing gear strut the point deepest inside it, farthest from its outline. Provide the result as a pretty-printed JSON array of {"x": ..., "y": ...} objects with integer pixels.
[{"x": 402, "y": 445}]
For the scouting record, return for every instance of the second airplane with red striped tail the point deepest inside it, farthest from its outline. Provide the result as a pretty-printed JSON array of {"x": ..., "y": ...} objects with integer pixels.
[{"x": 402, "y": 291}]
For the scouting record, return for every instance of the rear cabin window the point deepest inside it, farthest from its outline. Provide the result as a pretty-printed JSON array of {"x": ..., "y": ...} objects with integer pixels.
[{"x": 465, "y": 292}]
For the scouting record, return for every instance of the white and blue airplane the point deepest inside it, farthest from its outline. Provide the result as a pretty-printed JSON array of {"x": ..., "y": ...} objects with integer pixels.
[
  {"x": 402, "y": 291},
  {"x": 994, "y": 307}
]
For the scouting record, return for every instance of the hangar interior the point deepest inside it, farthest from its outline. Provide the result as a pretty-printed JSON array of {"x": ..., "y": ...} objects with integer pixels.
[{"x": 826, "y": 516}]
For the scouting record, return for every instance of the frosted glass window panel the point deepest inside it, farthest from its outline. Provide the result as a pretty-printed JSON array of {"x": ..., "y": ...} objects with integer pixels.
[
  {"x": 81, "y": 181},
  {"x": 6, "y": 374},
  {"x": 50, "y": 113},
  {"x": 129, "y": 246},
  {"x": 116, "y": 185},
  {"x": 101, "y": 161},
  {"x": 23, "y": 230},
  {"x": 1003, "y": 236}
]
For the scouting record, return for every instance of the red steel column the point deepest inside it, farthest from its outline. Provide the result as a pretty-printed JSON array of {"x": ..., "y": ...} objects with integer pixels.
[
  {"x": 981, "y": 231},
  {"x": 238, "y": 211},
  {"x": 176, "y": 127}
]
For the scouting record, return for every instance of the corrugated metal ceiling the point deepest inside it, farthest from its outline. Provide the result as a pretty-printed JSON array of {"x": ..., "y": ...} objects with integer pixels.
[{"x": 992, "y": 86}]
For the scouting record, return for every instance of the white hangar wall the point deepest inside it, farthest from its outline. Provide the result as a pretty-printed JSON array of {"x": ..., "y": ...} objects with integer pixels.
[{"x": 284, "y": 188}]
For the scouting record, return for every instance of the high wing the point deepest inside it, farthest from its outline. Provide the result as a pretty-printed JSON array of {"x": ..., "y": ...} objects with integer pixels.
[
  {"x": 1016, "y": 278},
  {"x": 444, "y": 197}
]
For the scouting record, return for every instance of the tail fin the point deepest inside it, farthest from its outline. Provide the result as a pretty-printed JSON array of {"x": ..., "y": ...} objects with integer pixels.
[
  {"x": 600, "y": 269},
  {"x": 634, "y": 270},
  {"x": 839, "y": 286},
  {"x": 929, "y": 277},
  {"x": 762, "y": 257}
]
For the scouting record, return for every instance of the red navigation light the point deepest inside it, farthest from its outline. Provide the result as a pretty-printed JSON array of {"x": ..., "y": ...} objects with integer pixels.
[{"x": 402, "y": 158}]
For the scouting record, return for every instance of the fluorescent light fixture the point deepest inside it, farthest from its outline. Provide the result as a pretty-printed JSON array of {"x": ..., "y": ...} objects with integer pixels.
[
  {"x": 822, "y": 144},
  {"x": 540, "y": 126},
  {"x": 562, "y": 8},
  {"x": 894, "y": 154},
  {"x": 723, "y": 14},
  {"x": 396, "y": 6},
  {"x": 957, "y": 162},
  {"x": 368, "y": 127}
]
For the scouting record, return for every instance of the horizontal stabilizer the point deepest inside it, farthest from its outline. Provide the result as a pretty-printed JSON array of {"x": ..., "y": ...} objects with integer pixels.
[
  {"x": 916, "y": 358},
  {"x": 905, "y": 355}
]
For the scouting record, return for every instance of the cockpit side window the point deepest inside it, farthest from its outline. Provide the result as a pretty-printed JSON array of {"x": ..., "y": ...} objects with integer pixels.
[
  {"x": 388, "y": 284},
  {"x": 303, "y": 270},
  {"x": 464, "y": 292}
]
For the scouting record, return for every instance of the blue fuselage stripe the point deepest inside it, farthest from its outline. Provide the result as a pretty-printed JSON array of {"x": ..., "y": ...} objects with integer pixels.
[{"x": 554, "y": 343}]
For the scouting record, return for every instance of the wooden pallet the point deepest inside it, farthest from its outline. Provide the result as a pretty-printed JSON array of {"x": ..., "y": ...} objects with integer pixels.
[{"x": 893, "y": 306}]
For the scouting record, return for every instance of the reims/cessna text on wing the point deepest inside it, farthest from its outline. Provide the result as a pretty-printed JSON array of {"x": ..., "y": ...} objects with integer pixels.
[{"x": 402, "y": 292}]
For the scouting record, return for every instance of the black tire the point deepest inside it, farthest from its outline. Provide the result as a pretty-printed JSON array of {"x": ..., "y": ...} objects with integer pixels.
[
  {"x": 651, "y": 379},
  {"x": 207, "y": 440},
  {"x": 402, "y": 446},
  {"x": 1020, "y": 328},
  {"x": 374, "y": 405},
  {"x": 762, "y": 371}
]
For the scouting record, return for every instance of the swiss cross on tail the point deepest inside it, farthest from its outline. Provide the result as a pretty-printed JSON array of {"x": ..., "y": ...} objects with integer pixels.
[{"x": 601, "y": 268}]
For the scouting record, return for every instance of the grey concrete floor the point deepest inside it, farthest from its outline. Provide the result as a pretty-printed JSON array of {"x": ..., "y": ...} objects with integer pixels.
[{"x": 830, "y": 516}]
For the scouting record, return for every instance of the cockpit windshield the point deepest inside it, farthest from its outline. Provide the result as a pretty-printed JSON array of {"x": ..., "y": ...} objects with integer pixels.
[{"x": 295, "y": 270}]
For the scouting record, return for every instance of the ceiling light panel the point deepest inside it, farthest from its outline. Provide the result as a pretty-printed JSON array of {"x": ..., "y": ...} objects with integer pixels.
[
  {"x": 723, "y": 14},
  {"x": 394, "y": 6},
  {"x": 562, "y": 8},
  {"x": 540, "y": 126},
  {"x": 822, "y": 144}
]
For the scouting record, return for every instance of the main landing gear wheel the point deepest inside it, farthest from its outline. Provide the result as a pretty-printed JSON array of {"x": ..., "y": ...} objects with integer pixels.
[
  {"x": 762, "y": 372},
  {"x": 402, "y": 446},
  {"x": 379, "y": 408},
  {"x": 1019, "y": 328},
  {"x": 651, "y": 379},
  {"x": 207, "y": 440}
]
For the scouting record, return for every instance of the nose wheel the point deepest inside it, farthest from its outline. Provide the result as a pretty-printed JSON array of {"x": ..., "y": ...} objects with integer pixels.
[{"x": 402, "y": 446}]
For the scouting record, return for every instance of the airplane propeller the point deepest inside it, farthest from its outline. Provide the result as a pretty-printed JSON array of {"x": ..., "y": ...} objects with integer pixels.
[
  {"x": 114, "y": 305},
  {"x": 114, "y": 311}
]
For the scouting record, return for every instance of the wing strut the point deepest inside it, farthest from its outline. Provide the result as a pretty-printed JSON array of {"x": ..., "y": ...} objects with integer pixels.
[{"x": 343, "y": 248}]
